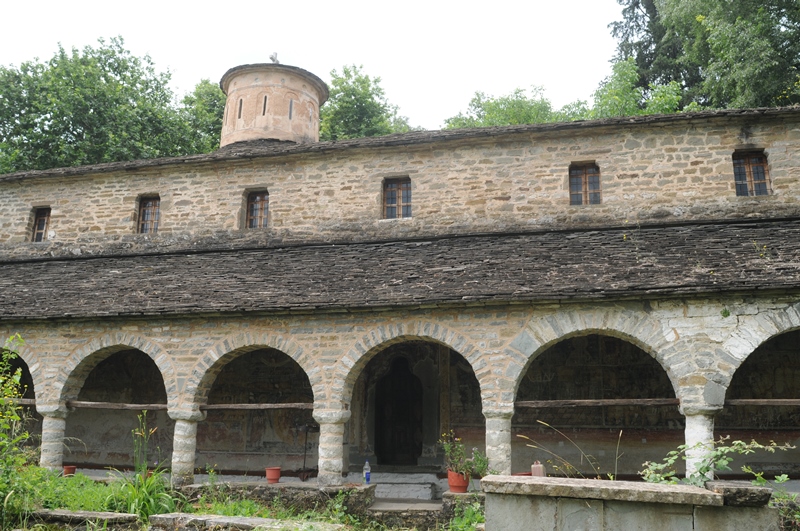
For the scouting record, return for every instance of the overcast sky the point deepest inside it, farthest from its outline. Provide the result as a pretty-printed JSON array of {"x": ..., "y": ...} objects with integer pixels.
[{"x": 431, "y": 55}]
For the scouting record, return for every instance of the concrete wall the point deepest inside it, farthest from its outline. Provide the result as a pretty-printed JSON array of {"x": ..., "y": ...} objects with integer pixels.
[
  {"x": 649, "y": 171},
  {"x": 592, "y": 505}
]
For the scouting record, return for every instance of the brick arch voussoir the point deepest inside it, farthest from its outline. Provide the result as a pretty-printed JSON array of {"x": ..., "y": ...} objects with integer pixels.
[
  {"x": 634, "y": 327},
  {"x": 208, "y": 367},
  {"x": 354, "y": 361},
  {"x": 753, "y": 331},
  {"x": 82, "y": 360}
]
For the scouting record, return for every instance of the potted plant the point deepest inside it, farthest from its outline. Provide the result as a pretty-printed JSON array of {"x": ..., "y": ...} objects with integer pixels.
[
  {"x": 460, "y": 468},
  {"x": 273, "y": 474}
]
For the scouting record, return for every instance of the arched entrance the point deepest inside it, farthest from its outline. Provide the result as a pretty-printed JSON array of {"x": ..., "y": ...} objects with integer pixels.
[
  {"x": 407, "y": 395},
  {"x": 591, "y": 388},
  {"x": 103, "y": 415},
  {"x": 763, "y": 404},
  {"x": 259, "y": 414}
]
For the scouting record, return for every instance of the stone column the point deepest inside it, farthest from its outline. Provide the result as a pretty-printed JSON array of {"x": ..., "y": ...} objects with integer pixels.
[
  {"x": 498, "y": 438},
  {"x": 184, "y": 445},
  {"x": 331, "y": 445},
  {"x": 699, "y": 435},
  {"x": 54, "y": 424}
]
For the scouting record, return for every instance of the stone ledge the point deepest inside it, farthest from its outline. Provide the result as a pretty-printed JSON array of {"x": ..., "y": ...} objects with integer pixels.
[
  {"x": 73, "y": 518},
  {"x": 179, "y": 521},
  {"x": 740, "y": 493},
  {"x": 597, "y": 489},
  {"x": 299, "y": 495}
]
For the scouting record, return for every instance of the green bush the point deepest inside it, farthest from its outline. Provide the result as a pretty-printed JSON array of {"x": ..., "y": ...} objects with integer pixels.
[
  {"x": 49, "y": 490},
  {"x": 143, "y": 494},
  {"x": 12, "y": 435},
  {"x": 147, "y": 492},
  {"x": 467, "y": 516}
]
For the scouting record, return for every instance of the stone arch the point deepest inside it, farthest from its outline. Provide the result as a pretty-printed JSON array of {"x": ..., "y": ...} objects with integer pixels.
[
  {"x": 81, "y": 361},
  {"x": 34, "y": 364},
  {"x": 752, "y": 331},
  {"x": 636, "y": 328},
  {"x": 206, "y": 369},
  {"x": 347, "y": 369}
]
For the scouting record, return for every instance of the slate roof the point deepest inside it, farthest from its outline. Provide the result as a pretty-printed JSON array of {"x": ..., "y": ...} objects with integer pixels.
[
  {"x": 271, "y": 148},
  {"x": 618, "y": 262}
]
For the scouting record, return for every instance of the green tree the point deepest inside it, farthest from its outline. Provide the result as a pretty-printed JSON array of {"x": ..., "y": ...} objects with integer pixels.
[
  {"x": 515, "y": 108},
  {"x": 97, "y": 105},
  {"x": 357, "y": 107},
  {"x": 653, "y": 46},
  {"x": 204, "y": 108},
  {"x": 619, "y": 95},
  {"x": 519, "y": 107},
  {"x": 738, "y": 53},
  {"x": 748, "y": 50}
]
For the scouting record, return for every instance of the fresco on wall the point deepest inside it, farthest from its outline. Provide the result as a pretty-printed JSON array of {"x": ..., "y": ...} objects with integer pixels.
[
  {"x": 102, "y": 437},
  {"x": 249, "y": 440}
]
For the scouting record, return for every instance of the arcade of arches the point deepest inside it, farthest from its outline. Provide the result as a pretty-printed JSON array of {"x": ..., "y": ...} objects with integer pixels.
[{"x": 328, "y": 395}]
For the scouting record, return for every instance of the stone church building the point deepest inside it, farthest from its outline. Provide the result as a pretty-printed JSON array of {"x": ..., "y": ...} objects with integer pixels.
[{"x": 285, "y": 301}]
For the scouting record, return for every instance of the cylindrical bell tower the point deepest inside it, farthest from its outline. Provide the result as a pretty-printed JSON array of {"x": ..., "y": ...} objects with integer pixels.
[{"x": 271, "y": 101}]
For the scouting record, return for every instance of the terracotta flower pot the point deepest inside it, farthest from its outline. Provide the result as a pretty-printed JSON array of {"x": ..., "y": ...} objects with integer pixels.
[
  {"x": 69, "y": 470},
  {"x": 273, "y": 474},
  {"x": 457, "y": 482}
]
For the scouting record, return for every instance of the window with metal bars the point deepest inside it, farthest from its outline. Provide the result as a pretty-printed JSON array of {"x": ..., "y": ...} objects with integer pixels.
[
  {"x": 41, "y": 221},
  {"x": 149, "y": 214},
  {"x": 397, "y": 198},
  {"x": 257, "y": 210},
  {"x": 750, "y": 173},
  {"x": 584, "y": 184}
]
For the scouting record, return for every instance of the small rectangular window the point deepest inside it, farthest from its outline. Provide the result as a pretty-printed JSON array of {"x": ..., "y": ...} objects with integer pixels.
[
  {"x": 41, "y": 221},
  {"x": 257, "y": 210},
  {"x": 397, "y": 198},
  {"x": 149, "y": 214},
  {"x": 584, "y": 184},
  {"x": 750, "y": 173}
]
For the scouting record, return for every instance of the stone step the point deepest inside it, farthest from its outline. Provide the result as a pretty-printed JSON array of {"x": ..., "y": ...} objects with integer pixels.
[
  {"x": 406, "y": 513},
  {"x": 419, "y": 486},
  {"x": 416, "y": 491}
]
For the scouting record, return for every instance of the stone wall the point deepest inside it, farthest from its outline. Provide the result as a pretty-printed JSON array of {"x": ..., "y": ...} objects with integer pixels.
[
  {"x": 698, "y": 347},
  {"x": 514, "y": 179}
]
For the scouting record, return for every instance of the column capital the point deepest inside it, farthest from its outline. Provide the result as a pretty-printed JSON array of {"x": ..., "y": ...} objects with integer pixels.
[
  {"x": 693, "y": 410},
  {"x": 52, "y": 410},
  {"x": 498, "y": 411},
  {"x": 191, "y": 414},
  {"x": 331, "y": 416}
]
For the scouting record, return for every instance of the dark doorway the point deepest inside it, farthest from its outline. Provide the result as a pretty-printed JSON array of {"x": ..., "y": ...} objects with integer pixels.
[{"x": 398, "y": 412}]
